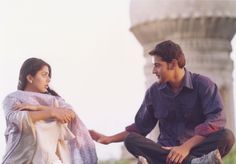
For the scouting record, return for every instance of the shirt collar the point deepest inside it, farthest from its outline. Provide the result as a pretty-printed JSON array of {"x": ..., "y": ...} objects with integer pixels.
[
  {"x": 187, "y": 82},
  {"x": 163, "y": 85}
]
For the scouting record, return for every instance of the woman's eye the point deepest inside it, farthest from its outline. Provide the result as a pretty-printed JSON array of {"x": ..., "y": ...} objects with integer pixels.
[{"x": 44, "y": 74}]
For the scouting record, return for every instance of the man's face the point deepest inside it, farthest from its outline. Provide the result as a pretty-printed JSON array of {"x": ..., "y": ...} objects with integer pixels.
[{"x": 161, "y": 69}]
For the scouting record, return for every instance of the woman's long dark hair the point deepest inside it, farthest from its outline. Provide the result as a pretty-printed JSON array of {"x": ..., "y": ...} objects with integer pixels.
[{"x": 30, "y": 67}]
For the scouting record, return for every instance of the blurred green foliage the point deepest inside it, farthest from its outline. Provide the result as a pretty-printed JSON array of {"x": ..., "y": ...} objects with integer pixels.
[{"x": 229, "y": 159}]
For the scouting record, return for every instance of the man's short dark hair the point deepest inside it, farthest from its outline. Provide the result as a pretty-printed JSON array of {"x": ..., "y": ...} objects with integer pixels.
[{"x": 168, "y": 50}]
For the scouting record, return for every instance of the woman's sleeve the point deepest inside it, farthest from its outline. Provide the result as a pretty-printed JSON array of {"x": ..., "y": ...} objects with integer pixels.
[
  {"x": 20, "y": 134},
  {"x": 62, "y": 103},
  {"x": 20, "y": 119}
]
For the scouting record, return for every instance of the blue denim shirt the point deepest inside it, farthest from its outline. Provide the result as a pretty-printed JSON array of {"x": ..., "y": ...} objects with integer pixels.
[{"x": 196, "y": 109}]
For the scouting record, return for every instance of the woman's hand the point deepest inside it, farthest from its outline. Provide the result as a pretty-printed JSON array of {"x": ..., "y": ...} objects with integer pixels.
[{"x": 63, "y": 115}]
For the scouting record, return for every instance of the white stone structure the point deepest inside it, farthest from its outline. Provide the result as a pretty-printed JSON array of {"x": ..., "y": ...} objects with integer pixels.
[{"x": 203, "y": 28}]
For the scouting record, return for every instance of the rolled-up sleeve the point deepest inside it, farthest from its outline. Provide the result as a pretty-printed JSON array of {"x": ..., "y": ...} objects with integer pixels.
[
  {"x": 212, "y": 106},
  {"x": 132, "y": 128},
  {"x": 145, "y": 119}
]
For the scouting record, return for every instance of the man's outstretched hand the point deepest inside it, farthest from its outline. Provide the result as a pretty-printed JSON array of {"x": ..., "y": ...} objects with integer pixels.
[{"x": 100, "y": 138}]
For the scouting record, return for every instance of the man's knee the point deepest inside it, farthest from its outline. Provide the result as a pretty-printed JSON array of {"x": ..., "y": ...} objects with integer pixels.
[
  {"x": 131, "y": 140},
  {"x": 131, "y": 143},
  {"x": 226, "y": 142},
  {"x": 229, "y": 137}
]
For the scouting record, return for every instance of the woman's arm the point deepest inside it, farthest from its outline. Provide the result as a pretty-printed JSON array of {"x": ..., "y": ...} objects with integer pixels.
[{"x": 40, "y": 112}]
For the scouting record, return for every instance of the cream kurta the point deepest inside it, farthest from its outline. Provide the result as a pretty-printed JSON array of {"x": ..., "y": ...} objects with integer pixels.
[{"x": 52, "y": 143}]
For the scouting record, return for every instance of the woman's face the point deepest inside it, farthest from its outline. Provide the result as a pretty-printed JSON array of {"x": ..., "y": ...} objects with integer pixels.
[{"x": 40, "y": 81}]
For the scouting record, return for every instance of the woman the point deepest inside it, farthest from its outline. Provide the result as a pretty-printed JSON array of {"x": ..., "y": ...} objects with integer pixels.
[{"x": 41, "y": 127}]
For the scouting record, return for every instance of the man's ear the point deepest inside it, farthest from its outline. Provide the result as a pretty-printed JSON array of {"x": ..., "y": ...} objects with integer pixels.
[
  {"x": 173, "y": 64},
  {"x": 29, "y": 78}
]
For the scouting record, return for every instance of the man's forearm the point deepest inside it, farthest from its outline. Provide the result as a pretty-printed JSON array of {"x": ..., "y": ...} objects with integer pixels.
[
  {"x": 194, "y": 141},
  {"x": 119, "y": 137}
]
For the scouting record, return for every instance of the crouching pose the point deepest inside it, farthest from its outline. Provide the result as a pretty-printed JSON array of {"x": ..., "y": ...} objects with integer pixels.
[{"x": 189, "y": 110}]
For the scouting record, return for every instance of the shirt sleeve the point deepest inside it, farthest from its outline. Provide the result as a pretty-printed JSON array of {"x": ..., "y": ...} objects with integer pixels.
[
  {"x": 212, "y": 105},
  {"x": 145, "y": 120}
]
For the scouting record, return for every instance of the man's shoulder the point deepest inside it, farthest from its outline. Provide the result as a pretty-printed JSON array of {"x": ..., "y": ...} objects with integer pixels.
[
  {"x": 199, "y": 79},
  {"x": 153, "y": 89}
]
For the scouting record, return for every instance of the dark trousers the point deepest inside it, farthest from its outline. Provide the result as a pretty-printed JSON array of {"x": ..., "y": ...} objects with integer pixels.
[{"x": 138, "y": 145}]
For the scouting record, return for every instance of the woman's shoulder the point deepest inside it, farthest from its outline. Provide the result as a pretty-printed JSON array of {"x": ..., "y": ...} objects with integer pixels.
[
  {"x": 14, "y": 94},
  {"x": 23, "y": 95}
]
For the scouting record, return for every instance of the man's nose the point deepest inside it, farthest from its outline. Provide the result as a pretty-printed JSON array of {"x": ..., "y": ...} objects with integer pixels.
[{"x": 154, "y": 71}]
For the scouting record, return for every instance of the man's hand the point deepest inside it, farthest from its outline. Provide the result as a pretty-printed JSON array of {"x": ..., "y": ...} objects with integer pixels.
[
  {"x": 177, "y": 154},
  {"x": 100, "y": 138}
]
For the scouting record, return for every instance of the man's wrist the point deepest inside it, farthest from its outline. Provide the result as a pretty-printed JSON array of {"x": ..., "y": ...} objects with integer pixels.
[
  {"x": 110, "y": 139},
  {"x": 188, "y": 146}
]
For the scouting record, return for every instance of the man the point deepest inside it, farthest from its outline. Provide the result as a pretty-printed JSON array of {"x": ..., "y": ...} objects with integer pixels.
[{"x": 189, "y": 110}]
